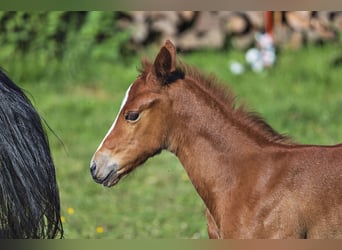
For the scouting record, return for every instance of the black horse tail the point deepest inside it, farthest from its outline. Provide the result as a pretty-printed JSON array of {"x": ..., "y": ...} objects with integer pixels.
[{"x": 29, "y": 196}]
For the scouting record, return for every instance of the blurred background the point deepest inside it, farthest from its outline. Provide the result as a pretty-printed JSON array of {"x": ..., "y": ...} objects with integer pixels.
[{"x": 76, "y": 67}]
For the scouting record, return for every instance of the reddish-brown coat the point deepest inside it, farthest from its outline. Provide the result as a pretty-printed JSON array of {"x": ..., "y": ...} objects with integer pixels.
[{"x": 254, "y": 182}]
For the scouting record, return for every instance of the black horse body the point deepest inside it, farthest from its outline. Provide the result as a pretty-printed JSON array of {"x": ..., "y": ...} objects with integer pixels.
[{"x": 29, "y": 197}]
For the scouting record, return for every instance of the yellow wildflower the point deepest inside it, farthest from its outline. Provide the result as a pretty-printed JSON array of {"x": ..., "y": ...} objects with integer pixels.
[
  {"x": 70, "y": 210},
  {"x": 99, "y": 230}
]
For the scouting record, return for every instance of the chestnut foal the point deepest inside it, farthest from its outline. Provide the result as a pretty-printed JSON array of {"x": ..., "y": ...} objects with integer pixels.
[{"x": 254, "y": 182}]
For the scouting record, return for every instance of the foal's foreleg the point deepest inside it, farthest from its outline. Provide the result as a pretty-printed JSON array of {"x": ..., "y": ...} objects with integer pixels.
[{"x": 213, "y": 231}]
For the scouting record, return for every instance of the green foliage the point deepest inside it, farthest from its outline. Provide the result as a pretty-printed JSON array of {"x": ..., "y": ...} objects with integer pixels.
[{"x": 39, "y": 41}]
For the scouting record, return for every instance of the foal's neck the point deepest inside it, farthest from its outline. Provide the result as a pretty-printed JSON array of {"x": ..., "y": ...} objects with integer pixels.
[{"x": 207, "y": 141}]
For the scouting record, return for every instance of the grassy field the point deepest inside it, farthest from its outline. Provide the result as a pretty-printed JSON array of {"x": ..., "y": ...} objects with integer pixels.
[{"x": 301, "y": 96}]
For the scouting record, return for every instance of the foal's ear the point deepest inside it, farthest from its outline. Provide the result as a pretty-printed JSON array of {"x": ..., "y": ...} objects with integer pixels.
[{"x": 165, "y": 63}]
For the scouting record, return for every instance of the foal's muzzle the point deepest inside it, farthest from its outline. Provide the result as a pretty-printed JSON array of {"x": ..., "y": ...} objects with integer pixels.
[
  {"x": 107, "y": 176},
  {"x": 93, "y": 172},
  {"x": 93, "y": 169}
]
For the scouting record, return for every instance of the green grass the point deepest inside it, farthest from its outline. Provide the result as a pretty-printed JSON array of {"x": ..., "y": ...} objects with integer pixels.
[{"x": 301, "y": 96}]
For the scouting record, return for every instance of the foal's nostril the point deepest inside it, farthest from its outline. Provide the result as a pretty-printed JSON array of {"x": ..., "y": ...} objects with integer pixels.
[{"x": 93, "y": 168}]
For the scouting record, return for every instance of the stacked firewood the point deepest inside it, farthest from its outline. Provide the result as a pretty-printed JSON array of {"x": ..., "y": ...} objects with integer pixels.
[{"x": 193, "y": 30}]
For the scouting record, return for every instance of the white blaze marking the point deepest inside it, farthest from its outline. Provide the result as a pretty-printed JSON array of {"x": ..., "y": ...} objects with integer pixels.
[{"x": 117, "y": 117}]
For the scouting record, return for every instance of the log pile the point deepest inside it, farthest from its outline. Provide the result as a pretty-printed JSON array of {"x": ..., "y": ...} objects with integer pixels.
[{"x": 192, "y": 30}]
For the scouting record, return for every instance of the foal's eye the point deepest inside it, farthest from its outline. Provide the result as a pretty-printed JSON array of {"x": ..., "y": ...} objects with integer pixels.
[{"x": 132, "y": 116}]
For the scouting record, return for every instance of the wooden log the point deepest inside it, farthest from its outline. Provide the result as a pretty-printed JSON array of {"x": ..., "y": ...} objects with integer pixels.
[
  {"x": 296, "y": 40},
  {"x": 243, "y": 41},
  {"x": 256, "y": 19},
  {"x": 165, "y": 23},
  {"x": 224, "y": 15},
  {"x": 192, "y": 40},
  {"x": 236, "y": 24},
  {"x": 139, "y": 28},
  {"x": 205, "y": 33},
  {"x": 282, "y": 35},
  {"x": 298, "y": 20},
  {"x": 206, "y": 21},
  {"x": 337, "y": 21},
  {"x": 319, "y": 32},
  {"x": 324, "y": 18},
  {"x": 186, "y": 16}
]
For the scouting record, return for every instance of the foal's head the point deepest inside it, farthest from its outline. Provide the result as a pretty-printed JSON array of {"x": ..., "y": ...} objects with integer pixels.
[{"x": 141, "y": 127}]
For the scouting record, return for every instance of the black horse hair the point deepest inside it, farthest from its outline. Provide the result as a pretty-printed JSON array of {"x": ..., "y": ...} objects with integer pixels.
[{"x": 29, "y": 196}]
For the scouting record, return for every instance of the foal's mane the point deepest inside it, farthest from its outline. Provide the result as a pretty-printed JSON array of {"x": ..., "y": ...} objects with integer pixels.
[{"x": 251, "y": 122}]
